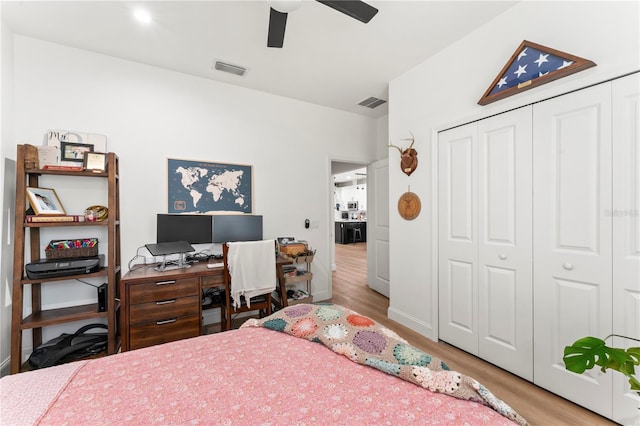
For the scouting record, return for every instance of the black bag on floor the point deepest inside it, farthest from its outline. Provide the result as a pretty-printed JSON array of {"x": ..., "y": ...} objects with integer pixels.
[{"x": 69, "y": 347}]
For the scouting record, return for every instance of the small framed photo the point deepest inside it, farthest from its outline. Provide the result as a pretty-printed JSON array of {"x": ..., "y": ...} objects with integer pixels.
[
  {"x": 44, "y": 201},
  {"x": 74, "y": 151},
  {"x": 95, "y": 161}
]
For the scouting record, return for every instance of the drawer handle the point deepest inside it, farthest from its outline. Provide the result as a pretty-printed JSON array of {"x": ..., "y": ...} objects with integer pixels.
[
  {"x": 169, "y": 321},
  {"x": 567, "y": 266},
  {"x": 165, "y": 302},
  {"x": 502, "y": 256},
  {"x": 165, "y": 282}
]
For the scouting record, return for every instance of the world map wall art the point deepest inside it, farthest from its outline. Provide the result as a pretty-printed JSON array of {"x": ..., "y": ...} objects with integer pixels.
[
  {"x": 532, "y": 65},
  {"x": 204, "y": 187}
]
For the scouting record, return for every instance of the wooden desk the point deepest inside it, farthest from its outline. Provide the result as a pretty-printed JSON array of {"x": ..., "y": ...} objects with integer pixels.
[{"x": 159, "y": 307}]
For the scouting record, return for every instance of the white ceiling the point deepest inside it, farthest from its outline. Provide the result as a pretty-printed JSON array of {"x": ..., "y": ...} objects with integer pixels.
[{"x": 328, "y": 58}]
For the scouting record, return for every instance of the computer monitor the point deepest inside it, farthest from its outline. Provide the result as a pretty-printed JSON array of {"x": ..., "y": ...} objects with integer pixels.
[
  {"x": 193, "y": 228},
  {"x": 237, "y": 228}
]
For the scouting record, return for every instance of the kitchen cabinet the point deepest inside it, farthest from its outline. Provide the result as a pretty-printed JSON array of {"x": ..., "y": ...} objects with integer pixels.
[{"x": 345, "y": 232}]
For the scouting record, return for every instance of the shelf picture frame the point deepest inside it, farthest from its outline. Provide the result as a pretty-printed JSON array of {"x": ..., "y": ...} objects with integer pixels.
[
  {"x": 44, "y": 201},
  {"x": 74, "y": 152},
  {"x": 95, "y": 161}
]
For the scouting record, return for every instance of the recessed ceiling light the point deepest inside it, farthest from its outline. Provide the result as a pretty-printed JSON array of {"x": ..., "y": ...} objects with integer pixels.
[{"x": 142, "y": 16}]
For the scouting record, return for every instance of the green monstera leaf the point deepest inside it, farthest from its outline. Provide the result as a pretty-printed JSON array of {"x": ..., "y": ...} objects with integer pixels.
[{"x": 589, "y": 351}]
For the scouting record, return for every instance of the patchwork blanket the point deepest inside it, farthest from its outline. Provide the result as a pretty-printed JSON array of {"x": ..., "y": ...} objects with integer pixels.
[{"x": 364, "y": 341}]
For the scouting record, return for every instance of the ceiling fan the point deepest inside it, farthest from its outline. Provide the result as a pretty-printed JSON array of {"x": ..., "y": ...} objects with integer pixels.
[{"x": 278, "y": 18}]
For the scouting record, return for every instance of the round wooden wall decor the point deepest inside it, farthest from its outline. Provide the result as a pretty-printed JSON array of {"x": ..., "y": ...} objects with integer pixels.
[{"x": 409, "y": 205}]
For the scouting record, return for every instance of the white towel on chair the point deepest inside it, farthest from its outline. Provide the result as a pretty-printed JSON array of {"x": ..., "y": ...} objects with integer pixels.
[{"x": 252, "y": 266}]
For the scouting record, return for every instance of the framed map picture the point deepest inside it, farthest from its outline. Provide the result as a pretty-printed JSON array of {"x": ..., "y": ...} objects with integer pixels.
[{"x": 205, "y": 187}]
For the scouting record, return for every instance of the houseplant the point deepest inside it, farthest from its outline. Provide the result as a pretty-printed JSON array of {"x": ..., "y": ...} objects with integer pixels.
[{"x": 587, "y": 352}]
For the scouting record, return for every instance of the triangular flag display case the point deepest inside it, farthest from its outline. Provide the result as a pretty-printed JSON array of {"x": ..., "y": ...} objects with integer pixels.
[{"x": 532, "y": 65}]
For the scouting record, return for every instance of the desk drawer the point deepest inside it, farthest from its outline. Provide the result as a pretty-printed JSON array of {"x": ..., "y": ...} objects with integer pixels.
[
  {"x": 168, "y": 330},
  {"x": 163, "y": 309},
  {"x": 212, "y": 280},
  {"x": 163, "y": 290}
]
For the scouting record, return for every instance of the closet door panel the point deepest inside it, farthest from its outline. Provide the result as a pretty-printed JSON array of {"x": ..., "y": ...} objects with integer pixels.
[
  {"x": 505, "y": 310},
  {"x": 626, "y": 235},
  {"x": 457, "y": 269},
  {"x": 572, "y": 238}
]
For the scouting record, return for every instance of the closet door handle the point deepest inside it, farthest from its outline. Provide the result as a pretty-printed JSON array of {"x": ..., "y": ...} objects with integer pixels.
[
  {"x": 502, "y": 256},
  {"x": 567, "y": 266}
]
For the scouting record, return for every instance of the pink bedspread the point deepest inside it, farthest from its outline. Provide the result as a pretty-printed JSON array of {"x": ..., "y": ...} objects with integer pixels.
[{"x": 250, "y": 376}]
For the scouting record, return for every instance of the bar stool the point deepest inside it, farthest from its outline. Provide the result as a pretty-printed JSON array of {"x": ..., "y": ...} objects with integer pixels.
[{"x": 357, "y": 235}]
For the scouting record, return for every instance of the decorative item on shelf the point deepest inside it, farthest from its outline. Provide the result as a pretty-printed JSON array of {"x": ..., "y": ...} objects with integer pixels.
[
  {"x": 532, "y": 65},
  {"x": 52, "y": 219},
  {"x": 31, "y": 160},
  {"x": 74, "y": 152},
  {"x": 63, "y": 249},
  {"x": 72, "y": 145},
  {"x": 95, "y": 161},
  {"x": 48, "y": 156},
  {"x": 408, "y": 157},
  {"x": 63, "y": 168},
  {"x": 44, "y": 201},
  {"x": 409, "y": 205},
  {"x": 96, "y": 213}
]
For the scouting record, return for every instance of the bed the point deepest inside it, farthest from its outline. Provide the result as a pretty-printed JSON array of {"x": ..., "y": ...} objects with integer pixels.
[{"x": 303, "y": 365}]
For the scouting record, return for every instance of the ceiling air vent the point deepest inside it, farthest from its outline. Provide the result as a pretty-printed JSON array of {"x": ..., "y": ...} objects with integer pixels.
[
  {"x": 372, "y": 102},
  {"x": 233, "y": 69}
]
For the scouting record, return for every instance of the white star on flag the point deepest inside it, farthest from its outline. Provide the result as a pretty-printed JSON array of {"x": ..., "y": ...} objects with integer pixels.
[
  {"x": 523, "y": 53},
  {"x": 542, "y": 59},
  {"x": 565, "y": 64},
  {"x": 522, "y": 69}
]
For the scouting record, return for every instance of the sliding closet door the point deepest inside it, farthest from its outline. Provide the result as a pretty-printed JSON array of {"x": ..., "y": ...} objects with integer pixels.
[
  {"x": 626, "y": 235},
  {"x": 505, "y": 311},
  {"x": 572, "y": 238},
  {"x": 457, "y": 238}
]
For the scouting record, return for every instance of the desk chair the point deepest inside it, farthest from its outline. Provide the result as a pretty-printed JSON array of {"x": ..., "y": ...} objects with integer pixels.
[{"x": 247, "y": 261}]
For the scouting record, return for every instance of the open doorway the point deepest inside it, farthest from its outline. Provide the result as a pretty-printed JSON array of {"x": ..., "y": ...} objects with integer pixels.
[{"x": 349, "y": 217}]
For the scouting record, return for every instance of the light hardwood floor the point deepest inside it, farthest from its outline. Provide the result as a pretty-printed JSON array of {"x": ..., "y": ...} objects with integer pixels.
[{"x": 535, "y": 404}]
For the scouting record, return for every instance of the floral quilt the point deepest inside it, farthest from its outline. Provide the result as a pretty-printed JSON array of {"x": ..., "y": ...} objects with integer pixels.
[{"x": 366, "y": 342}]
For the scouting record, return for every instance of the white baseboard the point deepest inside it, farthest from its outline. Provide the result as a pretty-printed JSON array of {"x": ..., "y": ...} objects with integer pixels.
[
  {"x": 411, "y": 322},
  {"x": 5, "y": 367}
]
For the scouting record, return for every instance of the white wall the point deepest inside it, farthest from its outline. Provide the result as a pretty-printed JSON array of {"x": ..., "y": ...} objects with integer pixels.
[
  {"x": 7, "y": 144},
  {"x": 444, "y": 90},
  {"x": 151, "y": 114}
]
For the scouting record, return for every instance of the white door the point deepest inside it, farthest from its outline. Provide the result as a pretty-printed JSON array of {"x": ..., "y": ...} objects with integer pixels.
[
  {"x": 457, "y": 237},
  {"x": 505, "y": 294},
  {"x": 485, "y": 271},
  {"x": 378, "y": 226},
  {"x": 626, "y": 235},
  {"x": 572, "y": 238}
]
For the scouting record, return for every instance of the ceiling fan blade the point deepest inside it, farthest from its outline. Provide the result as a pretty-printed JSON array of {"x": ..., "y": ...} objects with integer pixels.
[
  {"x": 356, "y": 9},
  {"x": 277, "y": 25}
]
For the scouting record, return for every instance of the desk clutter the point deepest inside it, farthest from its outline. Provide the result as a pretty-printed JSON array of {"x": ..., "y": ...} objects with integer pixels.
[
  {"x": 62, "y": 249},
  {"x": 290, "y": 248}
]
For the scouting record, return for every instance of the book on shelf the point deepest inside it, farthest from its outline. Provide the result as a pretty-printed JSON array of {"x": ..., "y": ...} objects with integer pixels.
[
  {"x": 49, "y": 219},
  {"x": 65, "y": 168}
]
